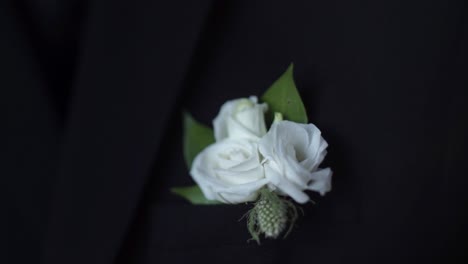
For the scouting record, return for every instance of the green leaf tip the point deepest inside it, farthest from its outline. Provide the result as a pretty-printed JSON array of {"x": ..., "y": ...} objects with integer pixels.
[
  {"x": 193, "y": 194},
  {"x": 196, "y": 137},
  {"x": 283, "y": 97}
]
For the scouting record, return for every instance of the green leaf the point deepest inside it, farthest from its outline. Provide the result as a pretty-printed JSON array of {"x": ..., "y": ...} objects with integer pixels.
[
  {"x": 283, "y": 97},
  {"x": 196, "y": 137},
  {"x": 194, "y": 195}
]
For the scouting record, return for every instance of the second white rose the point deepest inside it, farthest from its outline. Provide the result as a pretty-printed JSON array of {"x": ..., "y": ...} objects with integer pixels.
[
  {"x": 241, "y": 118},
  {"x": 293, "y": 153}
]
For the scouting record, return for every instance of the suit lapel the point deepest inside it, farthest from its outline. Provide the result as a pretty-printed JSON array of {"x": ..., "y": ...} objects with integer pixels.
[
  {"x": 134, "y": 58},
  {"x": 28, "y": 141}
]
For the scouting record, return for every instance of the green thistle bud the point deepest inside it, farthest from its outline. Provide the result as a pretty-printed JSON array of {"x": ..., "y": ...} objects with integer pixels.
[
  {"x": 271, "y": 218},
  {"x": 271, "y": 215}
]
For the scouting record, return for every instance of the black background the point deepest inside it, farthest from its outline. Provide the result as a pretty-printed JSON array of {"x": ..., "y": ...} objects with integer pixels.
[{"x": 92, "y": 95}]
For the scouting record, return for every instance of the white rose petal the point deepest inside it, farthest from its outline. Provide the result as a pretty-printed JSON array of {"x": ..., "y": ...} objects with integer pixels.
[
  {"x": 240, "y": 118},
  {"x": 292, "y": 153},
  {"x": 229, "y": 171}
]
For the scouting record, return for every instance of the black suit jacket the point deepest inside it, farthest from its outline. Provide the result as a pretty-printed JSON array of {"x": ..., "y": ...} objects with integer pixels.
[{"x": 91, "y": 100}]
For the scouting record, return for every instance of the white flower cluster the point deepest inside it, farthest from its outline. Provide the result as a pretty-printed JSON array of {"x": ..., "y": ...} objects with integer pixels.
[{"x": 246, "y": 157}]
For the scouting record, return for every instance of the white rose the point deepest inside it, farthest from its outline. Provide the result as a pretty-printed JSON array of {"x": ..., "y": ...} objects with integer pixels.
[
  {"x": 240, "y": 118},
  {"x": 229, "y": 171},
  {"x": 292, "y": 153}
]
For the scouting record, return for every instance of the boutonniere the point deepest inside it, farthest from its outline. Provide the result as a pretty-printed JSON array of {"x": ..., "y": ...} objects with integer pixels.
[{"x": 264, "y": 153}]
